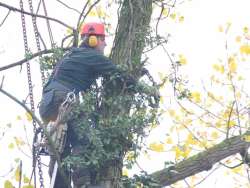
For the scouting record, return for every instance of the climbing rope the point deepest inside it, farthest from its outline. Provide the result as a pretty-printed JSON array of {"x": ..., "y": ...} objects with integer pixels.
[
  {"x": 36, "y": 157},
  {"x": 48, "y": 25}
]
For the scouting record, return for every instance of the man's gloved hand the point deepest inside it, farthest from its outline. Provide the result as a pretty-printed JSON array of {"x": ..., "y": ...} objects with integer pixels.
[
  {"x": 144, "y": 71},
  {"x": 129, "y": 81}
]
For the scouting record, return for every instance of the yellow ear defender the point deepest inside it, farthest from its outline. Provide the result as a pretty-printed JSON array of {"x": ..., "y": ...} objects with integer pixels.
[{"x": 93, "y": 41}]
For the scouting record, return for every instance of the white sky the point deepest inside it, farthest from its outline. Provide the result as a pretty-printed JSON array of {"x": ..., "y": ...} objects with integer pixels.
[{"x": 197, "y": 38}]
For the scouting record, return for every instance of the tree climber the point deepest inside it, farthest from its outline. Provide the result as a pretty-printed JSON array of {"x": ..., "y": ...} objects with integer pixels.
[{"x": 75, "y": 72}]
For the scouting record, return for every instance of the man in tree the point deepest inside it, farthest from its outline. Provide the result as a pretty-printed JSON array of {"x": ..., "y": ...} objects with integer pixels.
[{"x": 75, "y": 72}]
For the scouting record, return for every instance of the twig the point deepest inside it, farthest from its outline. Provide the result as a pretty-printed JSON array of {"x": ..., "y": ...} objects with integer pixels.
[
  {"x": 2, "y": 82},
  {"x": 5, "y": 18},
  {"x": 20, "y": 173},
  {"x": 65, "y": 38},
  {"x": 90, "y": 8},
  {"x": 36, "y": 15},
  {"x": 31, "y": 57},
  {"x": 229, "y": 119},
  {"x": 68, "y": 6},
  {"x": 79, "y": 19}
]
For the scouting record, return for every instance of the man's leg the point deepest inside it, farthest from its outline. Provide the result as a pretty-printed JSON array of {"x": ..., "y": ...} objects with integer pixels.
[{"x": 59, "y": 180}]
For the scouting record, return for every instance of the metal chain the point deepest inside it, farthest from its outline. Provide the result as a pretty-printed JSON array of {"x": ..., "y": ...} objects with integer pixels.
[
  {"x": 31, "y": 98},
  {"x": 38, "y": 157},
  {"x": 37, "y": 39}
]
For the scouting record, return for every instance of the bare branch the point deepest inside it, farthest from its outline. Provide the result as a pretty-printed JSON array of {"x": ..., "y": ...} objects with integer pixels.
[
  {"x": 5, "y": 18},
  {"x": 36, "y": 15},
  {"x": 26, "y": 59},
  {"x": 64, "y": 4}
]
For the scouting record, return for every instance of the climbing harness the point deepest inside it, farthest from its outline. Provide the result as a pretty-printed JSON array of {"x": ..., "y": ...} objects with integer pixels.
[{"x": 58, "y": 132}]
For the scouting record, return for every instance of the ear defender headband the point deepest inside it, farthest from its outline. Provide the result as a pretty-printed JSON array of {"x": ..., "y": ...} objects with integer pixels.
[{"x": 92, "y": 41}]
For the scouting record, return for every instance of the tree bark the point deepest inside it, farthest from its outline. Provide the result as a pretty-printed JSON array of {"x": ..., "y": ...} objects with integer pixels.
[
  {"x": 129, "y": 42},
  {"x": 203, "y": 161}
]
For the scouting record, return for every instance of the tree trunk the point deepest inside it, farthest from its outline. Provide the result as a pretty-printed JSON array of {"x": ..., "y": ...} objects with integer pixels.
[{"x": 132, "y": 28}]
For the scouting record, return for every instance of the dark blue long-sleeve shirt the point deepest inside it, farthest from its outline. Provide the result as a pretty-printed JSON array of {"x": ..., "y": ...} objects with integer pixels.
[{"x": 81, "y": 67}]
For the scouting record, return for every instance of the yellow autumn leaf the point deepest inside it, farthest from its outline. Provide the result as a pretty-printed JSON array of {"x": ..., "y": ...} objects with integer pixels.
[
  {"x": 18, "y": 117},
  {"x": 28, "y": 186},
  {"x": 130, "y": 156},
  {"x": 169, "y": 140},
  {"x": 238, "y": 169},
  {"x": 238, "y": 39},
  {"x": 19, "y": 141},
  {"x": 11, "y": 146},
  {"x": 158, "y": 147},
  {"x": 210, "y": 94},
  {"x": 203, "y": 144},
  {"x": 173, "y": 16},
  {"x": 240, "y": 78},
  {"x": 182, "y": 59},
  {"x": 220, "y": 29},
  {"x": 245, "y": 49},
  {"x": 181, "y": 152},
  {"x": 232, "y": 64},
  {"x": 243, "y": 59},
  {"x": 165, "y": 12},
  {"x": 238, "y": 95},
  {"x": 125, "y": 172},
  {"x": 171, "y": 112},
  {"x": 28, "y": 116},
  {"x": 26, "y": 179},
  {"x": 69, "y": 31},
  {"x": 219, "y": 68},
  {"x": 8, "y": 184},
  {"x": 196, "y": 96},
  {"x": 246, "y": 138},
  {"x": 215, "y": 135},
  {"x": 245, "y": 29},
  {"x": 177, "y": 151},
  {"x": 17, "y": 174},
  {"x": 161, "y": 75},
  {"x": 92, "y": 13},
  {"x": 190, "y": 140},
  {"x": 232, "y": 124},
  {"x": 100, "y": 12},
  {"x": 161, "y": 100},
  {"x": 186, "y": 151},
  {"x": 181, "y": 19}
]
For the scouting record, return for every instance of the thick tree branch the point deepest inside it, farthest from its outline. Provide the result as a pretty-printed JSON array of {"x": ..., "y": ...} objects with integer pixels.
[
  {"x": 202, "y": 161},
  {"x": 36, "y": 15},
  {"x": 31, "y": 57}
]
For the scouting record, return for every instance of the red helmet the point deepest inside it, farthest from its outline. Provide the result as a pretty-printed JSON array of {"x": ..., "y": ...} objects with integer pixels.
[{"x": 93, "y": 28}]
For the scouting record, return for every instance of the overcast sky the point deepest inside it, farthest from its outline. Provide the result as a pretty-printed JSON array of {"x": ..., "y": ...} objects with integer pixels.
[{"x": 197, "y": 37}]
